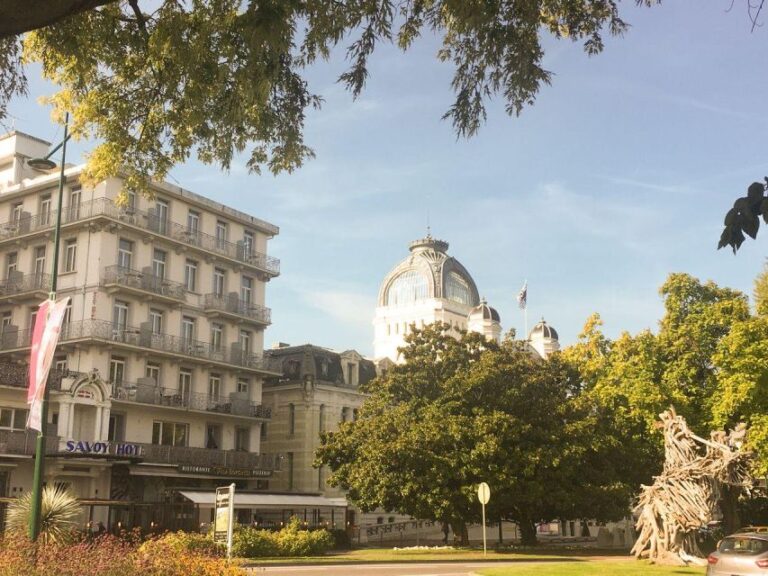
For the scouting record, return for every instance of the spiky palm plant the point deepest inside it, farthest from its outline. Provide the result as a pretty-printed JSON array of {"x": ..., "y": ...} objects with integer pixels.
[{"x": 59, "y": 511}]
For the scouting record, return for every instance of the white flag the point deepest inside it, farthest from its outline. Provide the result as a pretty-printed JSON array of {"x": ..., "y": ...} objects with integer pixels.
[
  {"x": 45, "y": 336},
  {"x": 522, "y": 297}
]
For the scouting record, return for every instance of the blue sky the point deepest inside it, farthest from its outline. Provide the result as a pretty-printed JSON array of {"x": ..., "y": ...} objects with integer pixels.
[{"x": 620, "y": 174}]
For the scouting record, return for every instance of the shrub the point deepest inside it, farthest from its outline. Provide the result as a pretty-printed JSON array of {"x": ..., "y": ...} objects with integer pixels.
[
  {"x": 341, "y": 540},
  {"x": 159, "y": 557},
  {"x": 292, "y": 540},
  {"x": 193, "y": 542},
  {"x": 59, "y": 511},
  {"x": 252, "y": 543}
]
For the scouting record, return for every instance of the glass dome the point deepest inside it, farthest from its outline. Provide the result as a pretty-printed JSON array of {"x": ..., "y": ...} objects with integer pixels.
[{"x": 408, "y": 288}]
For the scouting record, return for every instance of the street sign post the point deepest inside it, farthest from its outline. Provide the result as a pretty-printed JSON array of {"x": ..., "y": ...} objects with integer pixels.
[
  {"x": 484, "y": 495},
  {"x": 224, "y": 519}
]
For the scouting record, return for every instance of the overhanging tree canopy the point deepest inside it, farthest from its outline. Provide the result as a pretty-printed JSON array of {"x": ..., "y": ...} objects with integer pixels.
[{"x": 158, "y": 81}]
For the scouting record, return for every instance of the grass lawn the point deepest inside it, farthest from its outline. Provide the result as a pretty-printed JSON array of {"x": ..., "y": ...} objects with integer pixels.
[
  {"x": 444, "y": 555},
  {"x": 592, "y": 568}
]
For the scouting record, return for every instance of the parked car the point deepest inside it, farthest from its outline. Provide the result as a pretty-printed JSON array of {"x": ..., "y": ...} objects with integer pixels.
[{"x": 740, "y": 554}]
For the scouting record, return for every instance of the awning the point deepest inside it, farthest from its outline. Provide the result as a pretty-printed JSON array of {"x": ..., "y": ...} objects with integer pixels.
[{"x": 289, "y": 501}]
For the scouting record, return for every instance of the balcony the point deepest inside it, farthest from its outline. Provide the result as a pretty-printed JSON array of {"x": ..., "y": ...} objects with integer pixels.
[
  {"x": 22, "y": 443},
  {"x": 149, "y": 221},
  {"x": 19, "y": 287},
  {"x": 143, "y": 283},
  {"x": 141, "y": 338},
  {"x": 156, "y": 454},
  {"x": 17, "y": 376},
  {"x": 146, "y": 392},
  {"x": 233, "y": 306}
]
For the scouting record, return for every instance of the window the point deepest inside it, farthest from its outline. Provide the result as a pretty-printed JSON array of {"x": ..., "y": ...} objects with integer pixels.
[
  {"x": 124, "y": 253},
  {"x": 217, "y": 336},
  {"x": 45, "y": 210},
  {"x": 11, "y": 263},
  {"x": 243, "y": 385},
  {"x": 320, "y": 478},
  {"x": 242, "y": 438},
  {"x": 169, "y": 433},
  {"x": 213, "y": 436},
  {"x": 162, "y": 211},
  {"x": 60, "y": 364},
  {"x": 70, "y": 254},
  {"x": 158, "y": 263},
  {"x": 263, "y": 431},
  {"x": 39, "y": 260},
  {"x": 193, "y": 223},
  {"x": 351, "y": 374},
  {"x": 214, "y": 387},
  {"x": 156, "y": 320},
  {"x": 290, "y": 470},
  {"x": 67, "y": 314},
  {"x": 218, "y": 282},
  {"x": 291, "y": 419},
  {"x": 245, "y": 341},
  {"x": 153, "y": 371},
  {"x": 120, "y": 316},
  {"x": 13, "y": 418},
  {"x": 246, "y": 290},
  {"x": 247, "y": 244},
  {"x": 185, "y": 382},
  {"x": 354, "y": 414},
  {"x": 116, "y": 432},
  {"x": 188, "y": 329},
  {"x": 74, "y": 204},
  {"x": 5, "y": 321},
  {"x": 116, "y": 369},
  {"x": 222, "y": 233},
  {"x": 190, "y": 275},
  {"x": 16, "y": 211},
  {"x": 407, "y": 288},
  {"x": 321, "y": 419},
  {"x": 457, "y": 289},
  {"x": 344, "y": 414}
]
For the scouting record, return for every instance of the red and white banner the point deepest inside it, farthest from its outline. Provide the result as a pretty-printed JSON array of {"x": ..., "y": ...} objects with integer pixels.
[{"x": 45, "y": 336}]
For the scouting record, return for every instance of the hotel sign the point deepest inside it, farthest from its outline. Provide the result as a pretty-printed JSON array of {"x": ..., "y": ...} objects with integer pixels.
[
  {"x": 225, "y": 516},
  {"x": 103, "y": 448},
  {"x": 225, "y": 471}
]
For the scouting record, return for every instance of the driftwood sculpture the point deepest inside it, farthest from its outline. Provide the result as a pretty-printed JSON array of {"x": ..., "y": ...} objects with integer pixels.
[{"x": 684, "y": 498}]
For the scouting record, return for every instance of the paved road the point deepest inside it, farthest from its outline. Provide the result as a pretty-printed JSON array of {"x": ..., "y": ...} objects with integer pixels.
[{"x": 420, "y": 569}]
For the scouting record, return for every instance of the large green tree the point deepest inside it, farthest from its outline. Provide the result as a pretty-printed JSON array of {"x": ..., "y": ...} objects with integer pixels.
[
  {"x": 155, "y": 81},
  {"x": 460, "y": 412}
]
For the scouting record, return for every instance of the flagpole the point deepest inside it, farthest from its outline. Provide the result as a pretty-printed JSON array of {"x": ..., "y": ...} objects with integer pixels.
[{"x": 37, "y": 478}]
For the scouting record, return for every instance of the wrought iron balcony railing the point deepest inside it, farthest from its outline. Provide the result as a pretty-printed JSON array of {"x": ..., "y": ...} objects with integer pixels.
[
  {"x": 17, "y": 376},
  {"x": 18, "y": 284},
  {"x": 22, "y": 442},
  {"x": 159, "y": 454},
  {"x": 234, "y": 305},
  {"x": 142, "y": 337},
  {"x": 143, "y": 280},
  {"x": 150, "y": 221},
  {"x": 149, "y": 393}
]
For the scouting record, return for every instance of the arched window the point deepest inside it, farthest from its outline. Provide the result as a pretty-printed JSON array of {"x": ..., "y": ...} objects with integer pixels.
[
  {"x": 457, "y": 289},
  {"x": 409, "y": 287}
]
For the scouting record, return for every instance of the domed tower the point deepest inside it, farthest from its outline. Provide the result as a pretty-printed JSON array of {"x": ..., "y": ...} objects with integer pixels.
[
  {"x": 428, "y": 286},
  {"x": 485, "y": 320},
  {"x": 543, "y": 338}
]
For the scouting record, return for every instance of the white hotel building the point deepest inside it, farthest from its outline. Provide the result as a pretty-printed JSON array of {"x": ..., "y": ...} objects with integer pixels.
[{"x": 159, "y": 370}]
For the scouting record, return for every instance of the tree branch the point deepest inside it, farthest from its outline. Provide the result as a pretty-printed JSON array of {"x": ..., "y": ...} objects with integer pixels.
[{"x": 19, "y": 16}]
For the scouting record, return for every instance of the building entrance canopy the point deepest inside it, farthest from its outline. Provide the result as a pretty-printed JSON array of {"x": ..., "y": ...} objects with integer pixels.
[{"x": 277, "y": 501}]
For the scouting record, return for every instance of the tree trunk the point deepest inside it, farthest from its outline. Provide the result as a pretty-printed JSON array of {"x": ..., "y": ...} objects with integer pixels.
[
  {"x": 460, "y": 533},
  {"x": 527, "y": 532},
  {"x": 729, "y": 506}
]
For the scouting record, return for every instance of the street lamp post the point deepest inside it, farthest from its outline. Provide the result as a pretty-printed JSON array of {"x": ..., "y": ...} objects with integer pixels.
[{"x": 37, "y": 479}]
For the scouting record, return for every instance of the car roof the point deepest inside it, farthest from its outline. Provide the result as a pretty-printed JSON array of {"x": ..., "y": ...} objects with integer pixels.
[
  {"x": 753, "y": 529},
  {"x": 758, "y": 535}
]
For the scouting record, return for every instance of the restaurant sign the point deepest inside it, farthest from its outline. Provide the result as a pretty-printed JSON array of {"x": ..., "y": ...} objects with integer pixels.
[{"x": 224, "y": 471}]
